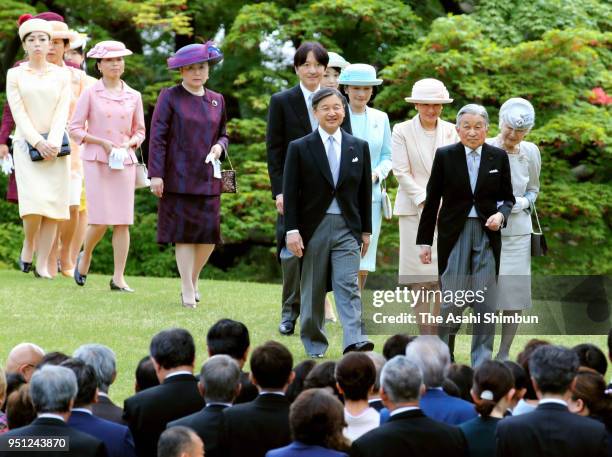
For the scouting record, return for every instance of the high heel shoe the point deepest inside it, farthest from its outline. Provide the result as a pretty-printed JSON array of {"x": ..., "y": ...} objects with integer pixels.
[
  {"x": 78, "y": 277},
  {"x": 25, "y": 267},
  {"x": 187, "y": 305},
  {"x": 115, "y": 287},
  {"x": 37, "y": 275}
]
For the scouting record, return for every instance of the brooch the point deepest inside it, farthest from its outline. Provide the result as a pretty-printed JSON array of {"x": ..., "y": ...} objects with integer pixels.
[{"x": 214, "y": 103}]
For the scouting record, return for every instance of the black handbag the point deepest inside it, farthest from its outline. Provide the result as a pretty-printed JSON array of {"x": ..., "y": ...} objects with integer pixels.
[
  {"x": 539, "y": 247},
  {"x": 64, "y": 149}
]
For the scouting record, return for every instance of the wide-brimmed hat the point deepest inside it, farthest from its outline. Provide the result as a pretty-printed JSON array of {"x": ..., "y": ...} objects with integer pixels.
[
  {"x": 517, "y": 113},
  {"x": 61, "y": 31},
  {"x": 80, "y": 41},
  {"x": 429, "y": 91},
  {"x": 29, "y": 25},
  {"x": 108, "y": 50},
  {"x": 337, "y": 61},
  {"x": 195, "y": 53},
  {"x": 359, "y": 74}
]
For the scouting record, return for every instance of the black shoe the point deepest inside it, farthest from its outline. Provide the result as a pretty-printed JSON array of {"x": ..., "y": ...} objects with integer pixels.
[
  {"x": 78, "y": 277},
  {"x": 115, "y": 287},
  {"x": 362, "y": 346},
  {"x": 286, "y": 328},
  {"x": 25, "y": 267}
]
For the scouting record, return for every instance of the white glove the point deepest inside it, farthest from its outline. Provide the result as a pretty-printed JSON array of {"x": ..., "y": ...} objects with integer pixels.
[
  {"x": 216, "y": 163},
  {"x": 7, "y": 164},
  {"x": 521, "y": 204},
  {"x": 116, "y": 158}
]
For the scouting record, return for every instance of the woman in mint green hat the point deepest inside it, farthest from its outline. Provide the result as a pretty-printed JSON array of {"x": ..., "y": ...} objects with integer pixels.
[{"x": 369, "y": 124}]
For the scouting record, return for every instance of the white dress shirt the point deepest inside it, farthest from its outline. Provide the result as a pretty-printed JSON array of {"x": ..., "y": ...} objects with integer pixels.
[{"x": 403, "y": 410}]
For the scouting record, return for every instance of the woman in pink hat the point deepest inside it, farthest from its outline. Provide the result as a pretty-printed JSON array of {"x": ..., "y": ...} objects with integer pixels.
[
  {"x": 39, "y": 97},
  {"x": 187, "y": 141},
  {"x": 109, "y": 121},
  {"x": 414, "y": 143}
]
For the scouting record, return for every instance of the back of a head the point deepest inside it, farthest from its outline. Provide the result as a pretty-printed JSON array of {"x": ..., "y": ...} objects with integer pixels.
[
  {"x": 271, "y": 365},
  {"x": 23, "y": 354},
  {"x": 52, "y": 388},
  {"x": 401, "y": 380},
  {"x": 13, "y": 382},
  {"x": 301, "y": 370},
  {"x": 523, "y": 360},
  {"x": 323, "y": 375},
  {"x": 590, "y": 387},
  {"x": 145, "y": 374},
  {"x": 463, "y": 377},
  {"x": 492, "y": 381},
  {"x": 220, "y": 377},
  {"x": 86, "y": 381},
  {"x": 53, "y": 358},
  {"x": 356, "y": 374},
  {"x": 396, "y": 345},
  {"x": 228, "y": 337},
  {"x": 591, "y": 356},
  {"x": 173, "y": 348},
  {"x": 174, "y": 441},
  {"x": 19, "y": 408},
  {"x": 521, "y": 381},
  {"x": 379, "y": 362},
  {"x": 553, "y": 368},
  {"x": 103, "y": 361},
  {"x": 316, "y": 418},
  {"x": 432, "y": 356}
]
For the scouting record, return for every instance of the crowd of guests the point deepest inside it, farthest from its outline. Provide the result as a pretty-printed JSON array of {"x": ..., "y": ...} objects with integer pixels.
[{"x": 410, "y": 400}]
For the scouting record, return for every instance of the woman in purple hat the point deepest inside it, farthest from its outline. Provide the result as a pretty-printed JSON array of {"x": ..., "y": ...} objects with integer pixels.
[
  {"x": 109, "y": 121},
  {"x": 188, "y": 139}
]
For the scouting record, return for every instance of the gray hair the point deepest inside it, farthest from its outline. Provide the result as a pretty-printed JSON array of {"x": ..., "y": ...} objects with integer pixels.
[
  {"x": 473, "y": 108},
  {"x": 379, "y": 361},
  {"x": 401, "y": 380},
  {"x": 323, "y": 94},
  {"x": 553, "y": 368},
  {"x": 432, "y": 356},
  {"x": 220, "y": 377},
  {"x": 52, "y": 388},
  {"x": 102, "y": 359}
]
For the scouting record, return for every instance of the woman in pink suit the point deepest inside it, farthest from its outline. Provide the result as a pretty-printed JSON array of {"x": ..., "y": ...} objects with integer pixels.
[{"x": 109, "y": 120}]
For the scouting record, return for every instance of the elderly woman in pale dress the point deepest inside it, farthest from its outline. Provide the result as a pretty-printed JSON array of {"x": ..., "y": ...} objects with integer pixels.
[
  {"x": 516, "y": 118},
  {"x": 413, "y": 146}
]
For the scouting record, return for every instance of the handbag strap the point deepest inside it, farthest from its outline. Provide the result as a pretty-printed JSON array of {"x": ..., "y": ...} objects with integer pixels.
[
  {"x": 141, "y": 158},
  {"x": 535, "y": 211},
  {"x": 228, "y": 159}
]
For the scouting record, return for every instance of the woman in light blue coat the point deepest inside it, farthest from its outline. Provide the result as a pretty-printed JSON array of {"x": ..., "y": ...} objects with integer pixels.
[{"x": 369, "y": 124}]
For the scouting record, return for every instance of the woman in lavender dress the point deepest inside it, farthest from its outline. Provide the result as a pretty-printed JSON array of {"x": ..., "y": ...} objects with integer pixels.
[{"x": 187, "y": 139}]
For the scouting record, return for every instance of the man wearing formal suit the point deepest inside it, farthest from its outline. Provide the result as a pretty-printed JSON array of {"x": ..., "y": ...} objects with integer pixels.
[
  {"x": 290, "y": 118},
  {"x": 53, "y": 390},
  {"x": 180, "y": 442},
  {"x": 327, "y": 188},
  {"x": 252, "y": 429},
  {"x": 23, "y": 359},
  {"x": 148, "y": 412},
  {"x": 408, "y": 432},
  {"x": 219, "y": 384},
  {"x": 552, "y": 430},
  {"x": 472, "y": 179},
  {"x": 116, "y": 437},
  {"x": 103, "y": 360}
]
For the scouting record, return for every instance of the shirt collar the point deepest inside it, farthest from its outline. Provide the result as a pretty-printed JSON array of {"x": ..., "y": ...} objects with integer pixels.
[
  {"x": 552, "y": 400},
  {"x": 307, "y": 93},
  {"x": 102, "y": 394},
  {"x": 176, "y": 373},
  {"x": 337, "y": 136},
  {"x": 218, "y": 403},
  {"x": 403, "y": 410},
  {"x": 82, "y": 410},
  {"x": 468, "y": 150},
  {"x": 50, "y": 416},
  {"x": 269, "y": 392}
]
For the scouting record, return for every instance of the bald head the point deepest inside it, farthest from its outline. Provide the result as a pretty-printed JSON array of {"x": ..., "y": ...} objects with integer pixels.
[{"x": 23, "y": 359}]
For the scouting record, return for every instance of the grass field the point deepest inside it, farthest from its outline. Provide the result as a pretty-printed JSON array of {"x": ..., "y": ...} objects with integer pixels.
[{"x": 59, "y": 316}]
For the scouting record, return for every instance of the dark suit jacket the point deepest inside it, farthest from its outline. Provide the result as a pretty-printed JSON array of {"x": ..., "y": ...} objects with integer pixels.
[
  {"x": 308, "y": 187},
  {"x": 117, "y": 438},
  {"x": 297, "y": 449},
  {"x": 255, "y": 428},
  {"x": 80, "y": 444},
  {"x": 248, "y": 390},
  {"x": 148, "y": 412},
  {"x": 208, "y": 423},
  {"x": 409, "y": 434},
  {"x": 450, "y": 182},
  {"x": 106, "y": 409},
  {"x": 551, "y": 430}
]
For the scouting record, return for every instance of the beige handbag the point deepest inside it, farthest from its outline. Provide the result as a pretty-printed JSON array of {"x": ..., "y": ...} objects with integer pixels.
[{"x": 142, "y": 173}]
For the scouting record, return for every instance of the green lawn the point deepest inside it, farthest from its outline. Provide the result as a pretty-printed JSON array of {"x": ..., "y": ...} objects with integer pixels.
[{"x": 59, "y": 316}]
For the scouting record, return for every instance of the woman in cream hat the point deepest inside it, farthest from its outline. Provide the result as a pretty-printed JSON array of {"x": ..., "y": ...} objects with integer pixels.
[
  {"x": 109, "y": 121},
  {"x": 516, "y": 118},
  {"x": 336, "y": 64},
  {"x": 39, "y": 97},
  {"x": 369, "y": 124},
  {"x": 414, "y": 143}
]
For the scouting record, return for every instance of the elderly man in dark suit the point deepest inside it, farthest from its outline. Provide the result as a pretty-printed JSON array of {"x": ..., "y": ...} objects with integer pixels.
[
  {"x": 327, "y": 187},
  {"x": 148, "y": 412},
  {"x": 408, "y": 432},
  {"x": 117, "y": 438},
  {"x": 290, "y": 118},
  {"x": 103, "y": 361},
  {"x": 552, "y": 430},
  {"x": 219, "y": 385},
  {"x": 53, "y": 390},
  {"x": 472, "y": 179}
]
